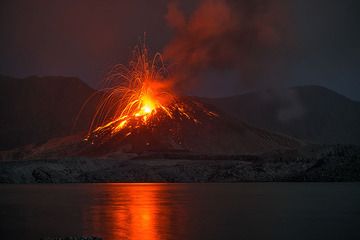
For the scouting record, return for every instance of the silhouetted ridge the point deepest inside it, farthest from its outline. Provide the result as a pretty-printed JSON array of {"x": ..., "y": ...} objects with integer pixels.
[
  {"x": 35, "y": 109},
  {"x": 312, "y": 113}
]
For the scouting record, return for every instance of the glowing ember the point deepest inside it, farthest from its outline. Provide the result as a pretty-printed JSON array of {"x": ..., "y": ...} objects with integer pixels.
[{"x": 140, "y": 94}]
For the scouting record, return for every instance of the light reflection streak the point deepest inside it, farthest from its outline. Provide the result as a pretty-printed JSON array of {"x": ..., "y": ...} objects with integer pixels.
[{"x": 135, "y": 212}]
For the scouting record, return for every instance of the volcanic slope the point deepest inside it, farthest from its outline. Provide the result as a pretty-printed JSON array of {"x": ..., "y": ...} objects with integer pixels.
[
  {"x": 40, "y": 112},
  {"x": 204, "y": 131},
  {"x": 208, "y": 133}
]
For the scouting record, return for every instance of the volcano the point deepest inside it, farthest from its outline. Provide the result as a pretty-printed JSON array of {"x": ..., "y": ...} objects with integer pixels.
[
  {"x": 208, "y": 132},
  {"x": 211, "y": 132},
  {"x": 139, "y": 111}
]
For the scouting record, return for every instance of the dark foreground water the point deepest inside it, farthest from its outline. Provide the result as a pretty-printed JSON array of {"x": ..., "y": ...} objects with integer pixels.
[{"x": 182, "y": 211}]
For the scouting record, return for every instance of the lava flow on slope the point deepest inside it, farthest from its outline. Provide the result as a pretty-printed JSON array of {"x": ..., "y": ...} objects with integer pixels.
[
  {"x": 140, "y": 101},
  {"x": 141, "y": 112}
]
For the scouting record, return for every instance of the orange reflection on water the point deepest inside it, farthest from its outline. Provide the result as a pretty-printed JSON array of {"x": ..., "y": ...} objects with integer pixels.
[
  {"x": 142, "y": 213},
  {"x": 134, "y": 212}
]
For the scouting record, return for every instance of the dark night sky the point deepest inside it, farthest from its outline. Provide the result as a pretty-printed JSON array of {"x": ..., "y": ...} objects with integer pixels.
[{"x": 85, "y": 38}]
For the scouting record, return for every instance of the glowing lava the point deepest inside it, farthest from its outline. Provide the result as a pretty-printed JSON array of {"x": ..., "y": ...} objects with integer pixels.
[{"x": 140, "y": 95}]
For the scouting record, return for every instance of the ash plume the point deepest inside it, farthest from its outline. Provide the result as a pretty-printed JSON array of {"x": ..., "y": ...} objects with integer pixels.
[{"x": 225, "y": 35}]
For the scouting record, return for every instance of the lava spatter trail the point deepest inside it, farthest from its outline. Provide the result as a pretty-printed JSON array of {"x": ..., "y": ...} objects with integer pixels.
[{"x": 141, "y": 97}]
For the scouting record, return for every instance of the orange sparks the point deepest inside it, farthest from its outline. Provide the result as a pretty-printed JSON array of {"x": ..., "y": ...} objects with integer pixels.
[{"x": 139, "y": 95}]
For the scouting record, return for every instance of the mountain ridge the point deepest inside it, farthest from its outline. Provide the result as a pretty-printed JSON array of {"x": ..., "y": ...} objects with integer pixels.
[
  {"x": 36, "y": 109},
  {"x": 312, "y": 113}
]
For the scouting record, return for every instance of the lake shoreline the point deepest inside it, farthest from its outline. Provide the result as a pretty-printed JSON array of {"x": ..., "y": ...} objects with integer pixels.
[{"x": 292, "y": 166}]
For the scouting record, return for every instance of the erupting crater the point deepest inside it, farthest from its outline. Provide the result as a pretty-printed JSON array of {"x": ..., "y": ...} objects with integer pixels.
[
  {"x": 140, "y": 99},
  {"x": 139, "y": 111}
]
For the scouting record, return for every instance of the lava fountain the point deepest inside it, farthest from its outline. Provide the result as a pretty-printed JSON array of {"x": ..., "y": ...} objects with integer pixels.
[{"x": 137, "y": 96}]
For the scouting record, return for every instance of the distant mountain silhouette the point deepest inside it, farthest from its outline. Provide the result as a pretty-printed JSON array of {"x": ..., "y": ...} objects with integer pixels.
[
  {"x": 35, "y": 109},
  {"x": 312, "y": 113}
]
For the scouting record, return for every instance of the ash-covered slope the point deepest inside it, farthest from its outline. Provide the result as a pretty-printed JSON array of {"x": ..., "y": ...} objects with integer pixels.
[
  {"x": 312, "y": 113},
  {"x": 35, "y": 109}
]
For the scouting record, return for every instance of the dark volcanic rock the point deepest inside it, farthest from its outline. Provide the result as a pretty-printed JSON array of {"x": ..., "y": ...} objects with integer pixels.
[
  {"x": 41, "y": 175},
  {"x": 310, "y": 163}
]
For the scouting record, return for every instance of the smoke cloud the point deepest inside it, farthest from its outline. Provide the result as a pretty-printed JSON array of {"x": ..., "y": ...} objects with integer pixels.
[{"x": 221, "y": 35}]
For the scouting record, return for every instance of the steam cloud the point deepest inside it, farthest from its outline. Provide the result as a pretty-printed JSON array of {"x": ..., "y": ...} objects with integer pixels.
[{"x": 225, "y": 35}]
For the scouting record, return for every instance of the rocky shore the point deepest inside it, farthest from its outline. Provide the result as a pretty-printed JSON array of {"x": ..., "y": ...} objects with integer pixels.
[{"x": 311, "y": 163}]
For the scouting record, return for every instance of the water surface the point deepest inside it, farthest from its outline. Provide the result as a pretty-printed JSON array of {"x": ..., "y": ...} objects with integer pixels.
[{"x": 182, "y": 211}]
